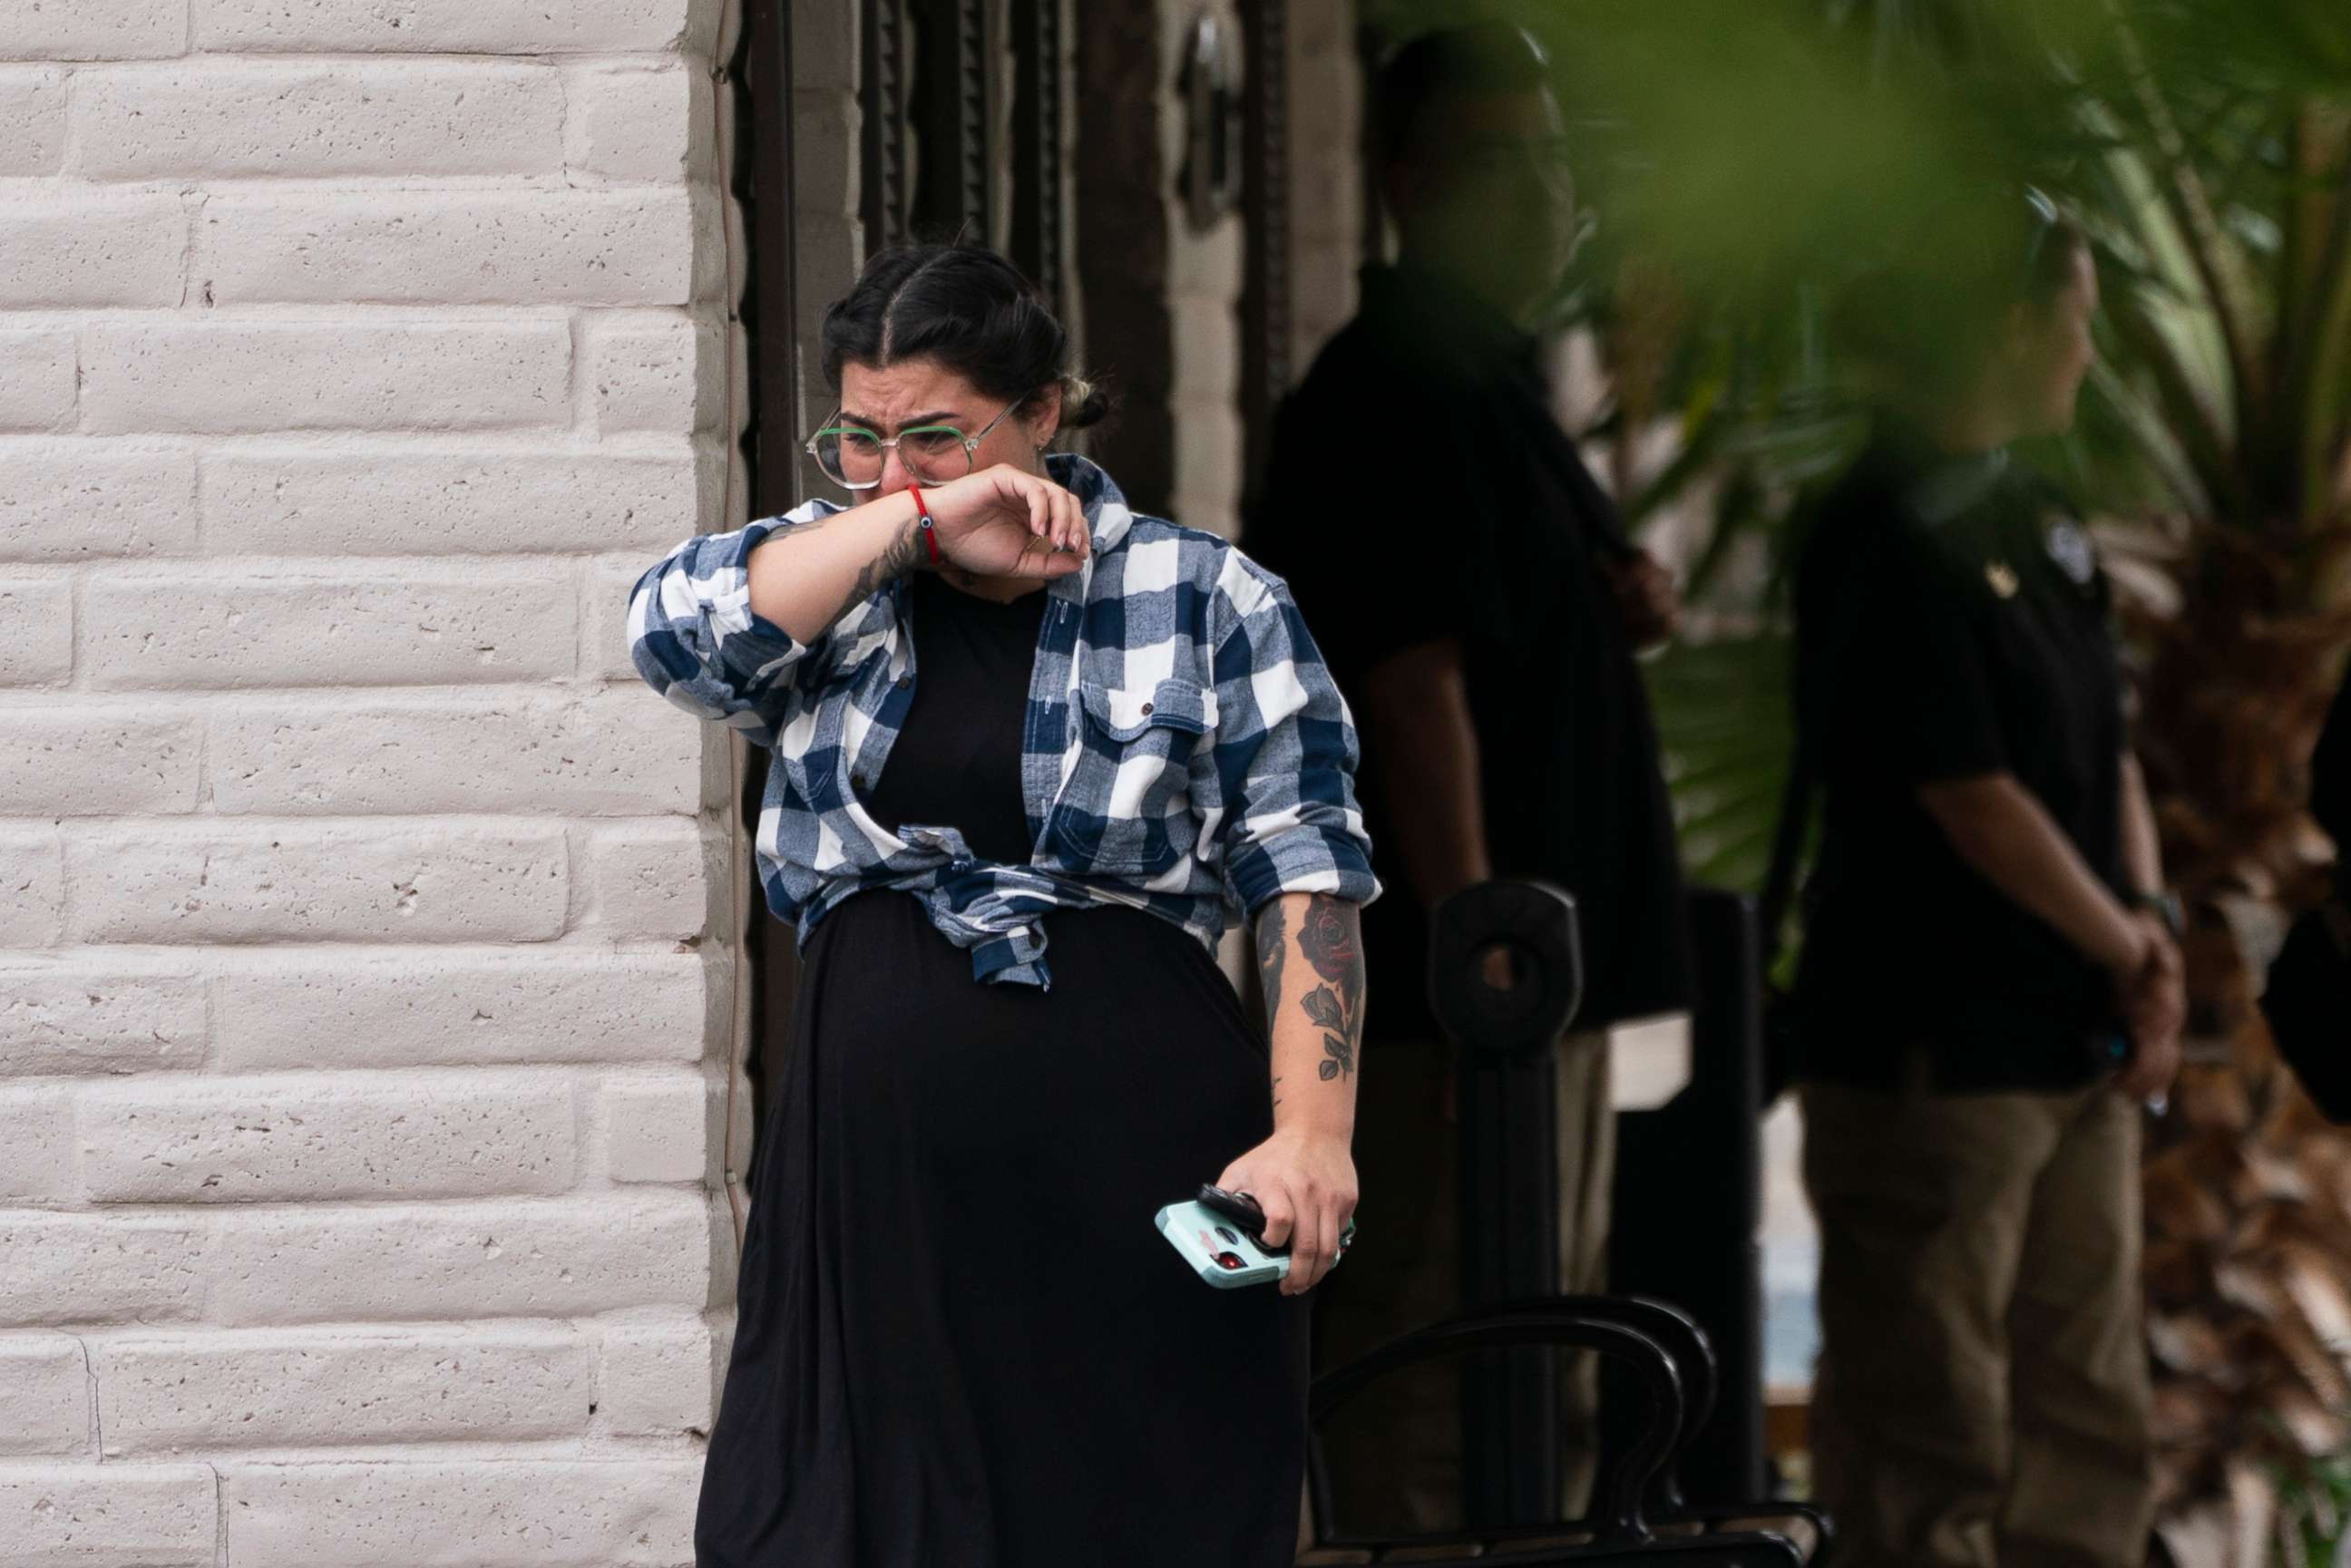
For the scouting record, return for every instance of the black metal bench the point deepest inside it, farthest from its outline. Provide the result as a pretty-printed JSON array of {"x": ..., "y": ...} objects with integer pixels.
[
  {"x": 1519, "y": 1321},
  {"x": 1622, "y": 1527}
]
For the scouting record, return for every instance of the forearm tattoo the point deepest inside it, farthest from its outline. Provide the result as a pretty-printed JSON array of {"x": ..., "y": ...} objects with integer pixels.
[
  {"x": 1272, "y": 950},
  {"x": 1332, "y": 939},
  {"x": 896, "y": 558}
]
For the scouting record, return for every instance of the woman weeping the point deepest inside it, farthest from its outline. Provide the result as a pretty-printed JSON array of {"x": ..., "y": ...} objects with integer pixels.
[{"x": 1033, "y": 752}]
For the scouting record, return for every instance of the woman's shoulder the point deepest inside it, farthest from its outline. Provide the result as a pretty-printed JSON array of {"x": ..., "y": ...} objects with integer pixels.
[{"x": 1227, "y": 582}]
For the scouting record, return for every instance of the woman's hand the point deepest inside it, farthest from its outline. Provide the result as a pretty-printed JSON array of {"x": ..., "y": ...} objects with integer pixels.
[
  {"x": 1005, "y": 521},
  {"x": 1304, "y": 1179}
]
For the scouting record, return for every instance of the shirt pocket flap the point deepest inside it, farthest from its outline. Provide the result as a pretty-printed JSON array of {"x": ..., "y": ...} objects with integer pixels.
[{"x": 1125, "y": 713}]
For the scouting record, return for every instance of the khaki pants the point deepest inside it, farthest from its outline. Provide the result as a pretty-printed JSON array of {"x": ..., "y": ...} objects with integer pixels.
[
  {"x": 1395, "y": 1451},
  {"x": 1983, "y": 1399}
]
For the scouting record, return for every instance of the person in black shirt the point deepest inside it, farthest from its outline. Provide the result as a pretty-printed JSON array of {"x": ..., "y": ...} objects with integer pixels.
[
  {"x": 1472, "y": 588},
  {"x": 1989, "y": 984},
  {"x": 2330, "y": 774},
  {"x": 2306, "y": 996}
]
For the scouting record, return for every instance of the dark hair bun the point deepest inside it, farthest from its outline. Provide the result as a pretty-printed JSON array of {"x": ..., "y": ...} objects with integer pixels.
[
  {"x": 971, "y": 310},
  {"x": 1083, "y": 402}
]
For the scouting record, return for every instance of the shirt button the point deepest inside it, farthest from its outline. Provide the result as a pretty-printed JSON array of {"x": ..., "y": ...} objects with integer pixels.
[
  {"x": 862, "y": 781},
  {"x": 905, "y": 681},
  {"x": 1146, "y": 708}
]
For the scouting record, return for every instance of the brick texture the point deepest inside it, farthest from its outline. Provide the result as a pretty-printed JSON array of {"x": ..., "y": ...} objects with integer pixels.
[
  {"x": 32, "y": 120},
  {"x": 157, "y": 1516},
  {"x": 267, "y": 881},
  {"x": 455, "y": 26},
  {"x": 215, "y": 119},
  {"x": 411, "y": 499},
  {"x": 98, "y": 1016},
  {"x": 239, "y": 377},
  {"x": 368, "y": 984},
  {"x": 537, "y": 1515},
  {"x": 433, "y": 1008},
  {"x": 275, "y": 1140},
  {"x": 632, "y": 123},
  {"x": 508, "y": 1258},
  {"x": 574, "y": 247},
  {"x": 82, "y": 1269},
  {"x": 95, "y": 760},
  {"x": 95, "y": 29},
  {"x": 96, "y": 250},
  {"x": 84, "y": 500},
  {"x": 36, "y": 630},
  {"x": 166, "y": 1395},
  {"x": 45, "y": 1394},
  {"x": 38, "y": 382},
  {"x": 260, "y": 626}
]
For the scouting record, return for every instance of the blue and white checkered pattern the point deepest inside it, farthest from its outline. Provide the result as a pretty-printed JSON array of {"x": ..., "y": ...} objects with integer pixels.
[{"x": 1186, "y": 753}]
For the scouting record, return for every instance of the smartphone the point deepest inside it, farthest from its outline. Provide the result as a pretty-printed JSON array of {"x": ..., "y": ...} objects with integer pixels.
[
  {"x": 1222, "y": 1235},
  {"x": 1223, "y": 1253}
]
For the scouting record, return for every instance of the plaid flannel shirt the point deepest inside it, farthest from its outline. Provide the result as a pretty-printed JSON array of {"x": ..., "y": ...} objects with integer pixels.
[{"x": 1186, "y": 751}]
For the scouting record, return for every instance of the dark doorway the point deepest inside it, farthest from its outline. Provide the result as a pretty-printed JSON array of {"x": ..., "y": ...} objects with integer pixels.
[
  {"x": 962, "y": 110},
  {"x": 961, "y": 118}
]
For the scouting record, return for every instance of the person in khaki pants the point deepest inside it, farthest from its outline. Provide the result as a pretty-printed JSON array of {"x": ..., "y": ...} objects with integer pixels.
[
  {"x": 1986, "y": 1398},
  {"x": 1471, "y": 585},
  {"x": 1990, "y": 984}
]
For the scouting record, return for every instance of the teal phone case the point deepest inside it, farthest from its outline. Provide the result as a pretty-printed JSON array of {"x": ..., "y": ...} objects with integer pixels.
[{"x": 1219, "y": 1251}]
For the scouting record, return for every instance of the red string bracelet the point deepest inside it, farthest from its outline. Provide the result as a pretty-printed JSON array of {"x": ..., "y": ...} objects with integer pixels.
[{"x": 930, "y": 535}]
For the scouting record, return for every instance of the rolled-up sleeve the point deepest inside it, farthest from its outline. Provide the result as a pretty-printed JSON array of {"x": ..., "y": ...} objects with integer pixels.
[
  {"x": 694, "y": 638},
  {"x": 1285, "y": 756}
]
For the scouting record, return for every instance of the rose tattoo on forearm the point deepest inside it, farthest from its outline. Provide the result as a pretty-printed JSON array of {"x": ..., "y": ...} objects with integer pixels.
[{"x": 1331, "y": 938}]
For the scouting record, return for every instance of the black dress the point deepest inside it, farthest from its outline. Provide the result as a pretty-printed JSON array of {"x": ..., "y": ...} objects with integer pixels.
[{"x": 961, "y": 1342}]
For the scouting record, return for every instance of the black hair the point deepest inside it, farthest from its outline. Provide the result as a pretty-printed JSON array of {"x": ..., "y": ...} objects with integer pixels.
[
  {"x": 971, "y": 310},
  {"x": 1487, "y": 59},
  {"x": 1927, "y": 313},
  {"x": 2056, "y": 242}
]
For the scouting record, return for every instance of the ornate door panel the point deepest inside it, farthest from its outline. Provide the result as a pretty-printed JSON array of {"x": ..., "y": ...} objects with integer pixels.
[{"x": 963, "y": 113}]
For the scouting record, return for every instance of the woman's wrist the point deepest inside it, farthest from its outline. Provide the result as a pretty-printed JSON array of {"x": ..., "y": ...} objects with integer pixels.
[
  {"x": 897, "y": 536},
  {"x": 1300, "y": 1116}
]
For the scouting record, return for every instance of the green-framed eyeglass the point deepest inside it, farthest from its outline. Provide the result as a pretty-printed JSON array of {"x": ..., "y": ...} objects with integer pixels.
[{"x": 853, "y": 457}]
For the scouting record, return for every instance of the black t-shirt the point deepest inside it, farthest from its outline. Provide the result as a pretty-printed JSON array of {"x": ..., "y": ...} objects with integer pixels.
[
  {"x": 1952, "y": 623},
  {"x": 957, "y": 760},
  {"x": 2330, "y": 779},
  {"x": 1419, "y": 489}
]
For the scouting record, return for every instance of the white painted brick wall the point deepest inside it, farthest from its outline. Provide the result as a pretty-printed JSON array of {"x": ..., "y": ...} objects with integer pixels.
[
  {"x": 36, "y": 630},
  {"x": 79, "y": 500},
  {"x": 367, "y": 970},
  {"x": 250, "y": 622},
  {"x": 37, "y": 380},
  {"x": 32, "y": 120},
  {"x": 45, "y": 1394},
  {"x": 95, "y": 29},
  {"x": 157, "y": 1516},
  {"x": 387, "y": 498},
  {"x": 454, "y": 27},
  {"x": 631, "y": 123},
  {"x": 93, "y": 250},
  {"x": 631, "y": 247},
  {"x": 166, "y": 1396},
  {"x": 239, "y": 376},
  {"x": 545, "y": 1514},
  {"x": 214, "y": 119}
]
